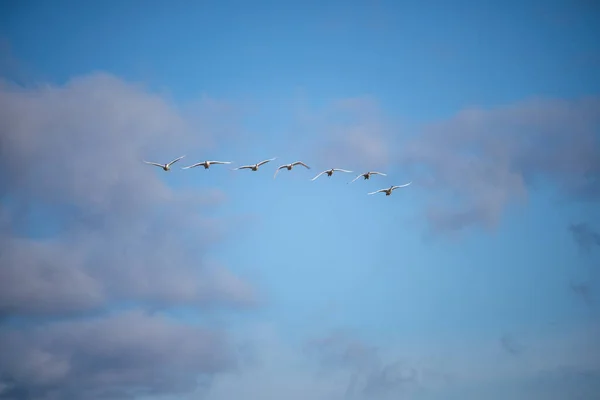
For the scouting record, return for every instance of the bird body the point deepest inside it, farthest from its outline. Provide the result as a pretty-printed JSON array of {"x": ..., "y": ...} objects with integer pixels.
[
  {"x": 289, "y": 167},
  {"x": 389, "y": 190},
  {"x": 367, "y": 175},
  {"x": 254, "y": 167},
  {"x": 206, "y": 164},
  {"x": 330, "y": 172},
  {"x": 167, "y": 166}
]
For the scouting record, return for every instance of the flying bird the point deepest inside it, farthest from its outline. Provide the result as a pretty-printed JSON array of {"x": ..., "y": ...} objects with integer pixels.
[
  {"x": 167, "y": 166},
  {"x": 391, "y": 189},
  {"x": 289, "y": 167},
  {"x": 206, "y": 164},
  {"x": 367, "y": 175},
  {"x": 254, "y": 167},
  {"x": 329, "y": 172}
]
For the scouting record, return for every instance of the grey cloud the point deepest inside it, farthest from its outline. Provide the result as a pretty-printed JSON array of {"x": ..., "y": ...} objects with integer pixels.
[
  {"x": 43, "y": 276},
  {"x": 480, "y": 161},
  {"x": 76, "y": 151},
  {"x": 585, "y": 236},
  {"x": 48, "y": 277},
  {"x": 84, "y": 141},
  {"x": 115, "y": 234},
  {"x": 475, "y": 164},
  {"x": 111, "y": 357}
]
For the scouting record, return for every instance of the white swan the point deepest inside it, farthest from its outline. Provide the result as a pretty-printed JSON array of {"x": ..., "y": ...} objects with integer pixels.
[
  {"x": 254, "y": 167},
  {"x": 167, "y": 166},
  {"x": 289, "y": 167},
  {"x": 206, "y": 164},
  {"x": 391, "y": 189},
  {"x": 367, "y": 175},
  {"x": 329, "y": 172}
]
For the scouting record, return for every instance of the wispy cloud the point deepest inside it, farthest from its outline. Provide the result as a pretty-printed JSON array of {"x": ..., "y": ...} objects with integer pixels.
[
  {"x": 351, "y": 133},
  {"x": 583, "y": 290},
  {"x": 469, "y": 370},
  {"x": 586, "y": 239},
  {"x": 510, "y": 344},
  {"x": 370, "y": 376}
]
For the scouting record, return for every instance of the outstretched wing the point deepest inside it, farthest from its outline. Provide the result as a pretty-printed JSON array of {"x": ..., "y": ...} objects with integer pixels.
[
  {"x": 174, "y": 161},
  {"x": 277, "y": 171},
  {"x": 378, "y": 173},
  {"x": 193, "y": 165},
  {"x": 153, "y": 163},
  {"x": 243, "y": 167},
  {"x": 356, "y": 178},
  {"x": 341, "y": 170},
  {"x": 379, "y": 191},
  {"x": 401, "y": 186},
  {"x": 219, "y": 162},
  {"x": 300, "y": 163},
  {"x": 318, "y": 175},
  {"x": 265, "y": 161}
]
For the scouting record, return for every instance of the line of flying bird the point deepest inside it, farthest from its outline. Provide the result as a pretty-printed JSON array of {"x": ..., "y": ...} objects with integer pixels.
[{"x": 254, "y": 167}]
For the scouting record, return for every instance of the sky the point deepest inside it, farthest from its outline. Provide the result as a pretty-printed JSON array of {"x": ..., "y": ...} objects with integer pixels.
[{"x": 119, "y": 280}]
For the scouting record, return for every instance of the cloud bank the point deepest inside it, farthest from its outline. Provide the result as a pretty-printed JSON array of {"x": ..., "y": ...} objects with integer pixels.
[
  {"x": 86, "y": 227},
  {"x": 120, "y": 356},
  {"x": 351, "y": 133}
]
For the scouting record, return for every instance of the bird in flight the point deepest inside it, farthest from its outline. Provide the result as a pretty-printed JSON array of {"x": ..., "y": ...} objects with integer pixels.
[
  {"x": 329, "y": 172},
  {"x": 289, "y": 167},
  {"x": 206, "y": 164},
  {"x": 167, "y": 166},
  {"x": 254, "y": 167},
  {"x": 367, "y": 175},
  {"x": 390, "y": 189}
]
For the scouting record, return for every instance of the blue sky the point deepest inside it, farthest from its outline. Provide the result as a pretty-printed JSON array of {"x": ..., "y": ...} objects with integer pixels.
[{"x": 491, "y": 110}]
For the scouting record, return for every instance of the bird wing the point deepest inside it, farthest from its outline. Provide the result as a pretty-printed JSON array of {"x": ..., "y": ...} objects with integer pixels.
[
  {"x": 378, "y": 191},
  {"x": 277, "y": 170},
  {"x": 341, "y": 170},
  {"x": 193, "y": 165},
  {"x": 243, "y": 167},
  {"x": 219, "y": 162},
  {"x": 356, "y": 178},
  {"x": 318, "y": 175},
  {"x": 401, "y": 186},
  {"x": 300, "y": 163},
  {"x": 378, "y": 173},
  {"x": 265, "y": 161},
  {"x": 175, "y": 160},
  {"x": 153, "y": 163}
]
